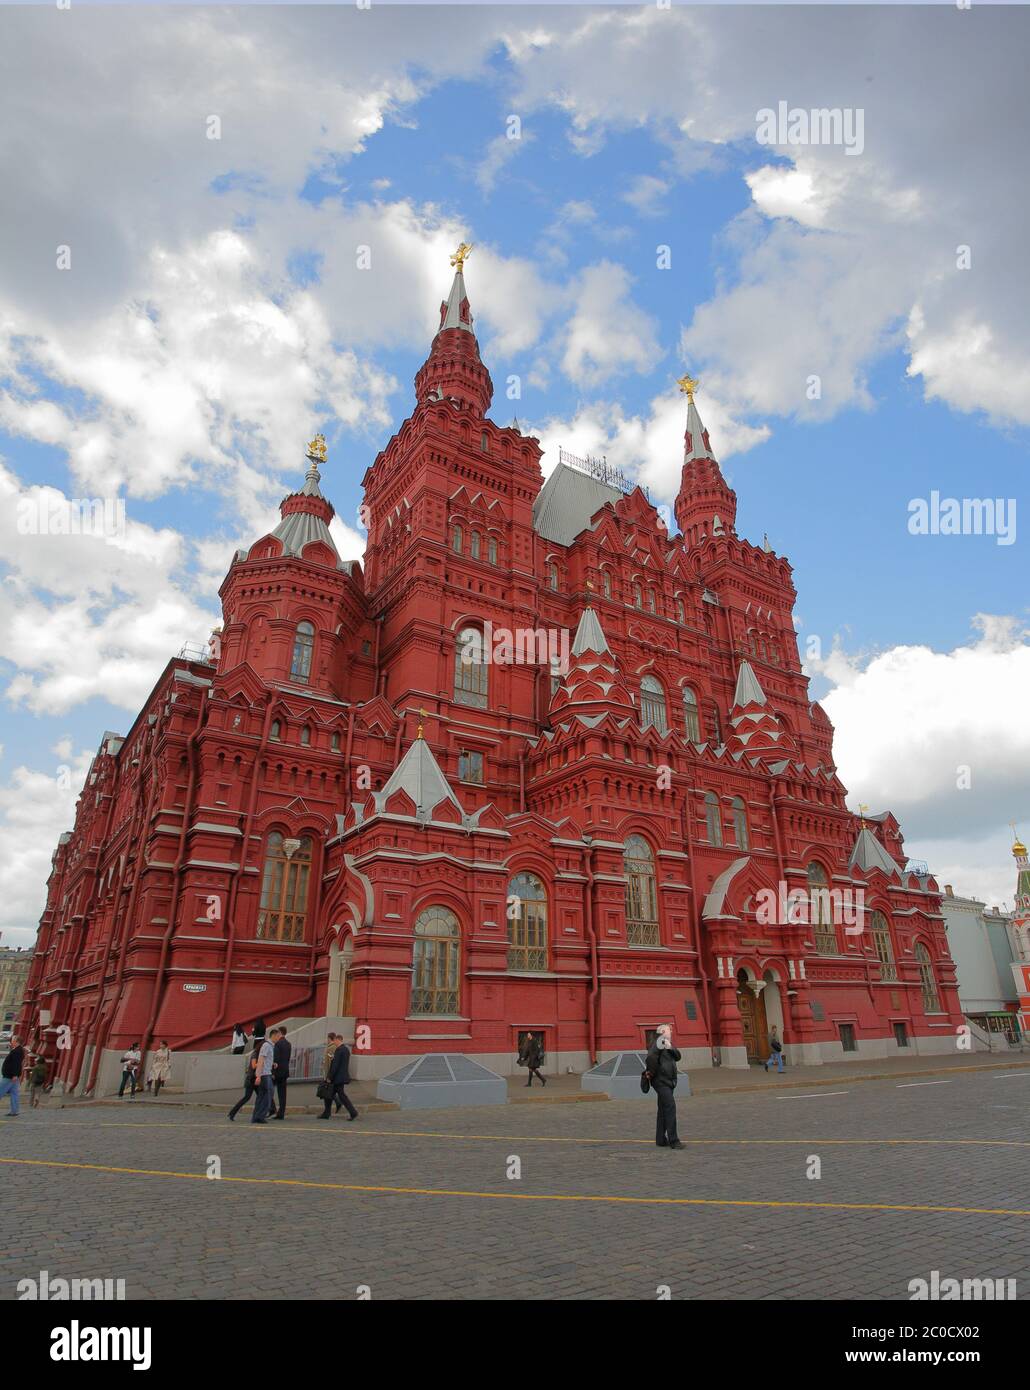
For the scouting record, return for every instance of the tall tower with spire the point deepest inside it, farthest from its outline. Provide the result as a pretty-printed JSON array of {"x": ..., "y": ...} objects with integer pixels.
[{"x": 706, "y": 505}]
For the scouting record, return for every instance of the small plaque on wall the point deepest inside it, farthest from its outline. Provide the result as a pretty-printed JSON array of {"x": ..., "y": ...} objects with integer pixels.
[
  {"x": 818, "y": 1012},
  {"x": 691, "y": 1009}
]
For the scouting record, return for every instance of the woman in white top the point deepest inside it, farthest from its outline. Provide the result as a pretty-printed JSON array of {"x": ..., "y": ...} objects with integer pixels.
[
  {"x": 130, "y": 1069},
  {"x": 239, "y": 1038}
]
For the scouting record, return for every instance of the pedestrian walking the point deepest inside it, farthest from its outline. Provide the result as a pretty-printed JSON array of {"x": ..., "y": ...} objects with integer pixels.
[
  {"x": 249, "y": 1081},
  {"x": 239, "y": 1039},
  {"x": 37, "y": 1081},
  {"x": 332, "y": 1042},
  {"x": 10, "y": 1075},
  {"x": 281, "y": 1050},
  {"x": 775, "y": 1051},
  {"x": 159, "y": 1072},
  {"x": 259, "y": 1030},
  {"x": 130, "y": 1070},
  {"x": 338, "y": 1078},
  {"x": 660, "y": 1066},
  {"x": 263, "y": 1080},
  {"x": 531, "y": 1055}
]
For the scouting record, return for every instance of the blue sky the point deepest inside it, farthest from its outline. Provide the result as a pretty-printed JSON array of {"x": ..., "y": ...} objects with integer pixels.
[{"x": 185, "y": 366}]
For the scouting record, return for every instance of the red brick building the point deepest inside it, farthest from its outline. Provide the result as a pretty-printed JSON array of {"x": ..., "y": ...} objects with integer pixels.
[{"x": 537, "y": 764}]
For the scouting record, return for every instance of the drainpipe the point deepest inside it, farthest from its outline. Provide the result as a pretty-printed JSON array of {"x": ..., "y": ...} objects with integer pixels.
[
  {"x": 230, "y": 911},
  {"x": 522, "y": 778},
  {"x": 157, "y": 998},
  {"x": 595, "y": 983}
]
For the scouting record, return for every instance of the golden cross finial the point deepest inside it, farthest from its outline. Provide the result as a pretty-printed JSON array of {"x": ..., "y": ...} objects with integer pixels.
[
  {"x": 862, "y": 809},
  {"x": 422, "y": 715},
  {"x": 688, "y": 386},
  {"x": 317, "y": 450},
  {"x": 461, "y": 255}
]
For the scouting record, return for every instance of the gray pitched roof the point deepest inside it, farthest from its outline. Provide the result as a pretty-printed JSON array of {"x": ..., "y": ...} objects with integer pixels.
[
  {"x": 452, "y": 318},
  {"x": 418, "y": 773},
  {"x": 589, "y": 635},
  {"x": 696, "y": 429},
  {"x": 868, "y": 853},
  {"x": 748, "y": 691},
  {"x": 566, "y": 503}
]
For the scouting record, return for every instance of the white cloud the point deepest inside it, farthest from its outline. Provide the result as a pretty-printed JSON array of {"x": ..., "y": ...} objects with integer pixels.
[
  {"x": 646, "y": 194},
  {"x": 607, "y": 333},
  {"x": 35, "y": 808},
  {"x": 913, "y": 726}
]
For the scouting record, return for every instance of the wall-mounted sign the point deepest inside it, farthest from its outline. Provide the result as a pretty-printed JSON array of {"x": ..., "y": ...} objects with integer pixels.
[{"x": 194, "y": 989}]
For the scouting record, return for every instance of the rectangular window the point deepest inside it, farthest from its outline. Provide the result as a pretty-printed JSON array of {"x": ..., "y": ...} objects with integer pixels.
[
  {"x": 847, "y": 1037},
  {"x": 901, "y": 1035},
  {"x": 470, "y": 766}
]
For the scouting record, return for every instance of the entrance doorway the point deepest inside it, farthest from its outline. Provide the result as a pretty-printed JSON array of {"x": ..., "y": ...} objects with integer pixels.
[
  {"x": 338, "y": 994},
  {"x": 752, "y": 1018}
]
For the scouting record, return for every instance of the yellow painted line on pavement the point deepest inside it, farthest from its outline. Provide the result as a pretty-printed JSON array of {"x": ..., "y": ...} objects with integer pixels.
[
  {"x": 385, "y": 1190},
  {"x": 357, "y": 1133}
]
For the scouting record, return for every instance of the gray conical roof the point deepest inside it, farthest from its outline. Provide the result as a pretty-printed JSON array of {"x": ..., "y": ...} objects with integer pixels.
[
  {"x": 748, "y": 691},
  {"x": 868, "y": 853},
  {"x": 452, "y": 318},
  {"x": 418, "y": 773},
  {"x": 589, "y": 635},
  {"x": 697, "y": 449}
]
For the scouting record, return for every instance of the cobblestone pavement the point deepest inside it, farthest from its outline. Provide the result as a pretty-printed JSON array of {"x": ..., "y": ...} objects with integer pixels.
[{"x": 420, "y": 1205}]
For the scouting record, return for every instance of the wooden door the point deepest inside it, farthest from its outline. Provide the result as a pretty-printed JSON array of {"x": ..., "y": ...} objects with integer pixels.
[{"x": 753, "y": 1023}]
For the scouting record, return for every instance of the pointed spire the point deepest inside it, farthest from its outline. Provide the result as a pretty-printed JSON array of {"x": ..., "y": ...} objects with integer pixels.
[
  {"x": 453, "y": 371},
  {"x": 695, "y": 439},
  {"x": 589, "y": 635},
  {"x": 748, "y": 691},
  {"x": 306, "y": 514},
  {"x": 419, "y": 775},
  {"x": 867, "y": 853},
  {"x": 754, "y": 729}
]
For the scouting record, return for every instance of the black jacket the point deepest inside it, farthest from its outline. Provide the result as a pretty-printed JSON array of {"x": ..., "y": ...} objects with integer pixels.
[
  {"x": 281, "y": 1059},
  {"x": 13, "y": 1063},
  {"x": 662, "y": 1065},
  {"x": 532, "y": 1053},
  {"x": 339, "y": 1067}
]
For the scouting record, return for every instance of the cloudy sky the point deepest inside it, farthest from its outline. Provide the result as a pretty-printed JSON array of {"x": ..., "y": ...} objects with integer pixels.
[{"x": 186, "y": 192}]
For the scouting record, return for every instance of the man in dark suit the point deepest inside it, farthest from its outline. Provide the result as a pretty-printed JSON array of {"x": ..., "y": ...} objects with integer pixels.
[
  {"x": 338, "y": 1078},
  {"x": 281, "y": 1050},
  {"x": 660, "y": 1066}
]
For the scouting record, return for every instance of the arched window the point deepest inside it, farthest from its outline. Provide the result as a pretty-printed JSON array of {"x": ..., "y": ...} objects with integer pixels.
[
  {"x": 641, "y": 897},
  {"x": 303, "y": 647},
  {"x": 527, "y": 923},
  {"x": 434, "y": 974},
  {"x": 305, "y": 736},
  {"x": 681, "y": 616},
  {"x": 556, "y": 675},
  {"x": 491, "y": 550},
  {"x": 284, "y": 888},
  {"x": 713, "y": 819},
  {"x": 931, "y": 1000},
  {"x": 652, "y": 705},
  {"x": 456, "y": 540},
  {"x": 881, "y": 934},
  {"x": 774, "y": 653},
  {"x": 820, "y": 910},
  {"x": 474, "y": 545},
  {"x": 552, "y": 576},
  {"x": 336, "y": 743},
  {"x": 740, "y": 823},
  {"x": 275, "y": 732},
  {"x": 652, "y": 602},
  {"x": 606, "y": 582},
  {"x": 470, "y": 670},
  {"x": 690, "y": 715},
  {"x": 638, "y": 597}
]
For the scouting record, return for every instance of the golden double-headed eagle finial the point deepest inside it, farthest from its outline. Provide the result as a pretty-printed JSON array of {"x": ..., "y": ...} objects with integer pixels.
[
  {"x": 688, "y": 386},
  {"x": 461, "y": 255},
  {"x": 317, "y": 451}
]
